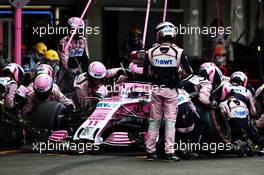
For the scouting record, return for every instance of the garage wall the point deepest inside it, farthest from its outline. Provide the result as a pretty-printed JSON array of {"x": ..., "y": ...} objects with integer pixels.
[
  {"x": 206, "y": 13},
  {"x": 95, "y": 18}
]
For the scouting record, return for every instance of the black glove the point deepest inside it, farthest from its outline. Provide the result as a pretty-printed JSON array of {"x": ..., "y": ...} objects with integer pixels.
[
  {"x": 71, "y": 109},
  {"x": 214, "y": 103},
  {"x": 123, "y": 72},
  {"x": 194, "y": 95}
]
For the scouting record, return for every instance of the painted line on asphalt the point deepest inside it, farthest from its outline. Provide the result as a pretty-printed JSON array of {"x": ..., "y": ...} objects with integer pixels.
[
  {"x": 65, "y": 155},
  {"x": 60, "y": 155},
  {"x": 11, "y": 152}
]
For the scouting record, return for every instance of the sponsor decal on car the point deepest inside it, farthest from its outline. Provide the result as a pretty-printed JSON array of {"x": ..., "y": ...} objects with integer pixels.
[{"x": 106, "y": 105}]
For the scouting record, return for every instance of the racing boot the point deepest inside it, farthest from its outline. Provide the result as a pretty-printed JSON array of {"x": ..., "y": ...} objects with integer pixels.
[
  {"x": 249, "y": 150},
  {"x": 239, "y": 147},
  {"x": 171, "y": 157},
  {"x": 152, "y": 156}
]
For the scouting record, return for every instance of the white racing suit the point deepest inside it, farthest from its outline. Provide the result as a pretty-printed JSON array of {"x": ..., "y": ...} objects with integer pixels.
[
  {"x": 237, "y": 114},
  {"x": 204, "y": 98},
  {"x": 164, "y": 59},
  {"x": 200, "y": 88},
  {"x": 245, "y": 95}
]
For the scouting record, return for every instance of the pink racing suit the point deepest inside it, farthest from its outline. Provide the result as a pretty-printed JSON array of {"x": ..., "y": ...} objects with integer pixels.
[
  {"x": 164, "y": 103},
  {"x": 76, "y": 49},
  {"x": 201, "y": 86},
  {"x": 55, "y": 95},
  {"x": 164, "y": 59},
  {"x": 231, "y": 110},
  {"x": 237, "y": 114},
  {"x": 205, "y": 92},
  {"x": 10, "y": 91},
  {"x": 74, "y": 60}
]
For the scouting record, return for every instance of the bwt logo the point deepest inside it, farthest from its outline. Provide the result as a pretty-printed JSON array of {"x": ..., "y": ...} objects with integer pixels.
[
  {"x": 240, "y": 113},
  {"x": 106, "y": 105},
  {"x": 238, "y": 90},
  {"x": 165, "y": 62}
]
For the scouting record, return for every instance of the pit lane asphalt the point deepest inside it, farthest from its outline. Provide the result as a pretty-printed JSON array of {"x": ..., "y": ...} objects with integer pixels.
[{"x": 122, "y": 163}]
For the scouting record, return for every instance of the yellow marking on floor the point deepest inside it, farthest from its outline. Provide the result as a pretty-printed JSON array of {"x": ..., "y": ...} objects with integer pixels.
[
  {"x": 61, "y": 155},
  {"x": 65, "y": 155},
  {"x": 10, "y": 152}
]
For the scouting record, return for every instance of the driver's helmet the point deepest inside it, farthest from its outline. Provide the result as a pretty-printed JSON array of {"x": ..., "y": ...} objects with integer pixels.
[
  {"x": 96, "y": 73},
  {"x": 43, "y": 85},
  {"x": 239, "y": 78}
]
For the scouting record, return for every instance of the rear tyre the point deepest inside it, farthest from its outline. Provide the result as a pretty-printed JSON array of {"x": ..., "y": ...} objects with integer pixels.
[{"x": 217, "y": 129}]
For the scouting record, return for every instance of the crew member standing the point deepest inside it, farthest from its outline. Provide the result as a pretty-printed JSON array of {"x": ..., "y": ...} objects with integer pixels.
[{"x": 164, "y": 61}]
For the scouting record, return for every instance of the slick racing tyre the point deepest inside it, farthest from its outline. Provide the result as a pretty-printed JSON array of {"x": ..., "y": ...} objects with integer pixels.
[
  {"x": 217, "y": 129},
  {"x": 49, "y": 115},
  {"x": 11, "y": 137}
]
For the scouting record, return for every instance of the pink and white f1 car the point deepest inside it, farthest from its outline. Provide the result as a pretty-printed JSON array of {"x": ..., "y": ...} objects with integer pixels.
[{"x": 120, "y": 120}]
